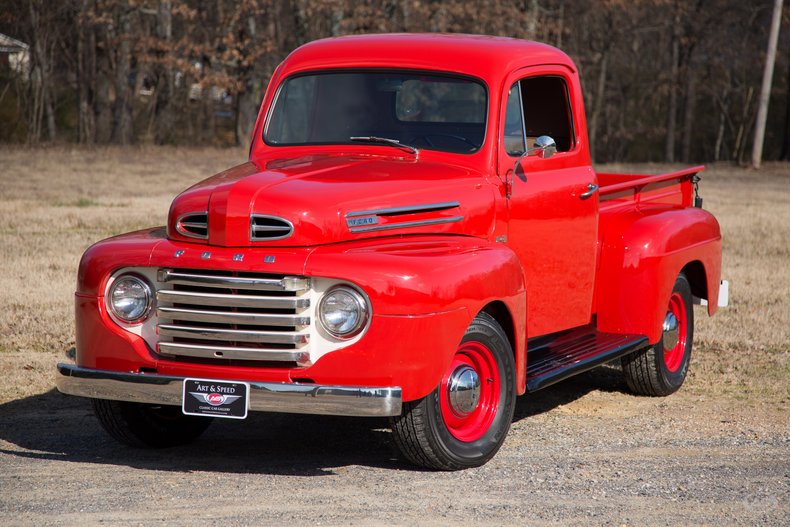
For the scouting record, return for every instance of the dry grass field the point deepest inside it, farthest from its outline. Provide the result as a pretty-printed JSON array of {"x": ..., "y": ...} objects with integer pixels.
[{"x": 55, "y": 202}]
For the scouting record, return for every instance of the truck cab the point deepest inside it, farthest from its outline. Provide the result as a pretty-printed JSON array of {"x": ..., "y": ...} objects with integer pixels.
[{"x": 419, "y": 234}]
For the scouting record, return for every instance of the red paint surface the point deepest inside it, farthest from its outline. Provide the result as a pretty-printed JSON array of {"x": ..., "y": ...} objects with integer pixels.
[
  {"x": 472, "y": 426},
  {"x": 674, "y": 356},
  {"x": 613, "y": 258}
]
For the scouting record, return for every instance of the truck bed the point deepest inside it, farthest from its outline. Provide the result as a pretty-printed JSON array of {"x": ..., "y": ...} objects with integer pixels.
[{"x": 672, "y": 188}]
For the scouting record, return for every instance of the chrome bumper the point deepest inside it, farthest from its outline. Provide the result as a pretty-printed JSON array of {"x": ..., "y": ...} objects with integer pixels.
[{"x": 264, "y": 396}]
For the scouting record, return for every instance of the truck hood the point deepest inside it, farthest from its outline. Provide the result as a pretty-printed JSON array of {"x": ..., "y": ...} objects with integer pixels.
[{"x": 325, "y": 199}]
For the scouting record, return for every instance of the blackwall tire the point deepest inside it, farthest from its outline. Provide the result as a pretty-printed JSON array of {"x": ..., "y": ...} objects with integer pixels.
[
  {"x": 452, "y": 428},
  {"x": 661, "y": 369},
  {"x": 148, "y": 426}
]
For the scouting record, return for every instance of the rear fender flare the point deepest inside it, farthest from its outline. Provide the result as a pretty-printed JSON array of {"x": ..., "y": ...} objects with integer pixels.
[{"x": 642, "y": 253}]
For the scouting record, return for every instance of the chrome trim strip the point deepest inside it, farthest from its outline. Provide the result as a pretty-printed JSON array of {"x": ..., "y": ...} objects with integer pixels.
[
  {"x": 287, "y": 283},
  {"x": 234, "y": 335},
  {"x": 148, "y": 388},
  {"x": 428, "y": 207},
  {"x": 231, "y": 317},
  {"x": 406, "y": 224},
  {"x": 254, "y": 229},
  {"x": 180, "y": 349},
  {"x": 182, "y": 232},
  {"x": 217, "y": 299}
]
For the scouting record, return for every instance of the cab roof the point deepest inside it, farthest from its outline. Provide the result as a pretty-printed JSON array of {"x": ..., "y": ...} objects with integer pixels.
[{"x": 486, "y": 57}]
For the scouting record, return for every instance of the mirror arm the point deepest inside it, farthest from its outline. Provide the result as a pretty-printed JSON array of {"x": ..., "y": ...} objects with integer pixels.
[{"x": 545, "y": 146}]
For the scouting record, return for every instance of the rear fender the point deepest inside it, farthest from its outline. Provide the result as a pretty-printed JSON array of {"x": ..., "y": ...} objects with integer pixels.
[
  {"x": 417, "y": 276},
  {"x": 642, "y": 253}
]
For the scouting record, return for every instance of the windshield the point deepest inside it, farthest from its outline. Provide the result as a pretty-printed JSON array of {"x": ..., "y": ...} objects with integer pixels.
[{"x": 434, "y": 112}]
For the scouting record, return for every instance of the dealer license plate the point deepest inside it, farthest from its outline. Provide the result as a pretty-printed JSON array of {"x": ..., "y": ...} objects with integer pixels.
[{"x": 216, "y": 398}]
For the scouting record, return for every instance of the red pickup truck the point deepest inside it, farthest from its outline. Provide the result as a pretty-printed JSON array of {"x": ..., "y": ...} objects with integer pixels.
[{"x": 418, "y": 234}]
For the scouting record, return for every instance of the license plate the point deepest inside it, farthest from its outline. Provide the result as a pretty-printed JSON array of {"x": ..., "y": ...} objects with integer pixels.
[{"x": 216, "y": 398}]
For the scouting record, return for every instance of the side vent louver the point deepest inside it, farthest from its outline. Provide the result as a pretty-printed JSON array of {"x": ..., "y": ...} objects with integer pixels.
[
  {"x": 264, "y": 228},
  {"x": 193, "y": 225}
]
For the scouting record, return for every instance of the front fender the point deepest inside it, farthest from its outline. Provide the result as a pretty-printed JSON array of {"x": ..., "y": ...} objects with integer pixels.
[
  {"x": 421, "y": 275},
  {"x": 642, "y": 253}
]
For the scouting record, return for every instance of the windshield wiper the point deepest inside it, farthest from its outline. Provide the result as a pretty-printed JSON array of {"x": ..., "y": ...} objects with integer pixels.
[{"x": 384, "y": 141}]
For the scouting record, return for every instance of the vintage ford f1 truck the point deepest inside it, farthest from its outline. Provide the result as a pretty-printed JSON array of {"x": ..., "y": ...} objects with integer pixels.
[{"x": 418, "y": 234}]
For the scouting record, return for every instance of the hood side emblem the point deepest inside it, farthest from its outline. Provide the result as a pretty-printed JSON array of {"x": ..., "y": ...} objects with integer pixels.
[
  {"x": 368, "y": 220},
  {"x": 364, "y": 220}
]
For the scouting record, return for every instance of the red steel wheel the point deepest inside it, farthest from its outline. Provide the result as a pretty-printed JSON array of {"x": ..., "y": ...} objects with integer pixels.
[
  {"x": 464, "y": 421},
  {"x": 469, "y": 392},
  {"x": 675, "y": 330}
]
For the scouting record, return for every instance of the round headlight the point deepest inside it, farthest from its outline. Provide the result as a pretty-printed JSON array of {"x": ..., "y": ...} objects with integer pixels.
[
  {"x": 343, "y": 312},
  {"x": 129, "y": 298}
]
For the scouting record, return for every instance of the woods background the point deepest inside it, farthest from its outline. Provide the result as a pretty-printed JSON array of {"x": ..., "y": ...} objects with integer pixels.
[{"x": 664, "y": 80}]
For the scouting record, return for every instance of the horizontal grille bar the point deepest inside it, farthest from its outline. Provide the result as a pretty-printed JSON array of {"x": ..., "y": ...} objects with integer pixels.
[
  {"x": 236, "y": 335},
  {"x": 287, "y": 283},
  {"x": 237, "y": 353},
  {"x": 221, "y": 317},
  {"x": 218, "y": 299}
]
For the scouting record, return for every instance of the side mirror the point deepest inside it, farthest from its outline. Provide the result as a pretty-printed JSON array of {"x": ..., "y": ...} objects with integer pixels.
[{"x": 544, "y": 147}]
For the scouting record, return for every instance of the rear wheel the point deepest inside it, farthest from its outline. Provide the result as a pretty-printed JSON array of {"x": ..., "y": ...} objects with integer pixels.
[
  {"x": 661, "y": 369},
  {"x": 464, "y": 421},
  {"x": 147, "y": 425}
]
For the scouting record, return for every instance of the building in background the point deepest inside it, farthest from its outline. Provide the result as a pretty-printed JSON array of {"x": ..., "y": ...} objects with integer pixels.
[{"x": 14, "y": 55}]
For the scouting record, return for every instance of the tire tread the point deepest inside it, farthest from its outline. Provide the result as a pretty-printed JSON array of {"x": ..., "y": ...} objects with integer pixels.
[
  {"x": 412, "y": 429},
  {"x": 643, "y": 369},
  {"x": 135, "y": 424}
]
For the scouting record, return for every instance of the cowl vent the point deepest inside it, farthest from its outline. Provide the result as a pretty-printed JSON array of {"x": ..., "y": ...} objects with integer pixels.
[
  {"x": 265, "y": 228},
  {"x": 193, "y": 225}
]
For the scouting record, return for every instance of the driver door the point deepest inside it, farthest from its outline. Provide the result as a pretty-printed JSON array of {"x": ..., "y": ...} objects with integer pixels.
[{"x": 552, "y": 223}]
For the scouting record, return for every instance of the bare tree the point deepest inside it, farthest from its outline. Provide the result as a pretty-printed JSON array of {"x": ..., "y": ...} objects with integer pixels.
[
  {"x": 765, "y": 90},
  {"x": 662, "y": 79}
]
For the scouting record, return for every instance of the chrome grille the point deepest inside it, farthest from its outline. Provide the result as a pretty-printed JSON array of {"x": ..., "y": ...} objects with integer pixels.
[
  {"x": 264, "y": 227},
  {"x": 193, "y": 225},
  {"x": 237, "y": 316}
]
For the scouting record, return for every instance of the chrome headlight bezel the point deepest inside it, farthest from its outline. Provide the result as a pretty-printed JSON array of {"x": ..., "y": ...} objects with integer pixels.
[
  {"x": 357, "y": 299},
  {"x": 148, "y": 295}
]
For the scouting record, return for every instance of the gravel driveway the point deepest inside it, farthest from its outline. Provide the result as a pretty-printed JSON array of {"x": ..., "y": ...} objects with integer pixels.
[{"x": 581, "y": 452}]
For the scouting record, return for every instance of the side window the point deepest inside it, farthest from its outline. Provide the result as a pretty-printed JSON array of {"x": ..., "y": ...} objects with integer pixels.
[
  {"x": 537, "y": 106},
  {"x": 547, "y": 111},
  {"x": 514, "y": 123}
]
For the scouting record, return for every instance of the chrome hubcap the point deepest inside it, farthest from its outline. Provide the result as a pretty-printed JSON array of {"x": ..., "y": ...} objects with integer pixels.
[
  {"x": 464, "y": 390},
  {"x": 671, "y": 331}
]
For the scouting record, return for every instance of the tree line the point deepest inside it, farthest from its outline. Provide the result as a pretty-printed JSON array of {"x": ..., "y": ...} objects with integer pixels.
[{"x": 663, "y": 80}]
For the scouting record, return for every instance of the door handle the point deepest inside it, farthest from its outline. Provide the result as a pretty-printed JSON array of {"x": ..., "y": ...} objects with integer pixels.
[{"x": 592, "y": 188}]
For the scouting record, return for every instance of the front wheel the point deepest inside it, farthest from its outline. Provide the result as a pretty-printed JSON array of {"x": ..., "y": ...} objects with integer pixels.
[
  {"x": 660, "y": 370},
  {"x": 464, "y": 421},
  {"x": 147, "y": 425}
]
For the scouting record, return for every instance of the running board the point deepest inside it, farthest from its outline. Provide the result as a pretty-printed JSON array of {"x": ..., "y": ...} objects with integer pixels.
[{"x": 551, "y": 361}]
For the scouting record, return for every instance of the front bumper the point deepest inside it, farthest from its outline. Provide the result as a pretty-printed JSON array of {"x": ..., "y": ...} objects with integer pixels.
[{"x": 264, "y": 396}]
